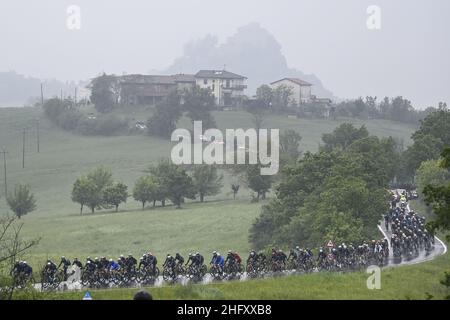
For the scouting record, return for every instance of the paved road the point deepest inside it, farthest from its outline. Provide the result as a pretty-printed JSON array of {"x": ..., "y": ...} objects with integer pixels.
[{"x": 439, "y": 249}]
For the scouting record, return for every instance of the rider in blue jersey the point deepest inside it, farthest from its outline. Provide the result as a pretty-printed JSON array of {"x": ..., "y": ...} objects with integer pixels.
[{"x": 112, "y": 265}]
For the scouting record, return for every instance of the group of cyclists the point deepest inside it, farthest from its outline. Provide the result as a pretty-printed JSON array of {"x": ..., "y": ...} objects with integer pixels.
[
  {"x": 408, "y": 237},
  {"x": 409, "y": 234}
]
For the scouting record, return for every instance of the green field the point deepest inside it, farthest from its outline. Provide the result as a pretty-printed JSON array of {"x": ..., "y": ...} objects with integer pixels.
[{"x": 219, "y": 224}]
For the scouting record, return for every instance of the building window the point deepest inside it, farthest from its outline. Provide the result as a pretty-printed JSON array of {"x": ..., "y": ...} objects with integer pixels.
[
  {"x": 205, "y": 81},
  {"x": 228, "y": 83},
  {"x": 213, "y": 87}
]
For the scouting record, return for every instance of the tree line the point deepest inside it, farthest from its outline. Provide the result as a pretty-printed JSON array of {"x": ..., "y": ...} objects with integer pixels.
[
  {"x": 163, "y": 181},
  {"x": 340, "y": 191},
  {"x": 68, "y": 117},
  {"x": 337, "y": 193}
]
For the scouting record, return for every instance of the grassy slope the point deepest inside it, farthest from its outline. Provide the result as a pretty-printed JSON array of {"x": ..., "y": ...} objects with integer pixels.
[
  {"x": 65, "y": 156},
  {"x": 206, "y": 227}
]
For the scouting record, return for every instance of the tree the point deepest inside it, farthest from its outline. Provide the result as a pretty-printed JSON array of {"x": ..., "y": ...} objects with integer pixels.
[
  {"x": 206, "y": 180},
  {"x": 425, "y": 147},
  {"x": 115, "y": 194},
  {"x": 83, "y": 192},
  {"x": 145, "y": 190},
  {"x": 438, "y": 197},
  {"x": 282, "y": 97},
  {"x": 174, "y": 182},
  {"x": 264, "y": 94},
  {"x": 337, "y": 192},
  {"x": 436, "y": 124},
  {"x": 258, "y": 183},
  {"x": 431, "y": 172},
  {"x": 163, "y": 122},
  {"x": 12, "y": 246},
  {"x": 179, "y": 185},
  {"x": 105, "y": 92},
  {"x": 343, "y": 136},
  {"x": 235, "y": 189},
  {"x": 89, "y": 190},
  {"x": 199, "y": 102},
  {"x": 290, "y": 144},
  {"x": 101, "y": 177},
  {"x": 22, "y": 201}
]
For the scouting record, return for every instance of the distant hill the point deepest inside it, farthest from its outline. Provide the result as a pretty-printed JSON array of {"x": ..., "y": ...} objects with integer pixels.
[
  {"x": 252, "y": 52},
  {"x": 17, "y": 90}
]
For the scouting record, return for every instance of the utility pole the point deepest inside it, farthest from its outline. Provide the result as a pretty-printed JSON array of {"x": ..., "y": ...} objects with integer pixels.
[
  {"x": 4, "y": 167},
  {"x": 23, "y": 148},
  {"x": 42, "y": 95},
  {"x": 75, "y": 96},
  {"x": 37, "y": 134}
]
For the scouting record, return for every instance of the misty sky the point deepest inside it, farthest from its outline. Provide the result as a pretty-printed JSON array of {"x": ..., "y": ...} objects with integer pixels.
[{"x": 409, "y": 56}]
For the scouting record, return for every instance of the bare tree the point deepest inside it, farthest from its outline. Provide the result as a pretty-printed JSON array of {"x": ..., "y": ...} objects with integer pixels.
[{"x": 12, "y": 246}]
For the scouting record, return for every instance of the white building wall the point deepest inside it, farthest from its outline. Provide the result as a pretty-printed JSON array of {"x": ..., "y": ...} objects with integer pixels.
[
  {"x": 217, "y": 86},
  {"x": 299, "y": 92}
]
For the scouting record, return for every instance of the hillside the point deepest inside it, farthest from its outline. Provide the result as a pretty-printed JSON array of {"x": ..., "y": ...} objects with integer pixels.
[{"x": 221, "y": 224}]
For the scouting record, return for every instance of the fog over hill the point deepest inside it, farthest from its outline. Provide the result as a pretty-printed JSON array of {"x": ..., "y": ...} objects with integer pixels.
[{"x": 252, "y": 51}]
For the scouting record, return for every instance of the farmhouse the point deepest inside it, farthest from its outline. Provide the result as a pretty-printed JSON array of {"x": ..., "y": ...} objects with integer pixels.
[
  {"x": 150, "y": 89},
  {"x": 227, "y": 87},
  {"x": 301, "y": 89}
]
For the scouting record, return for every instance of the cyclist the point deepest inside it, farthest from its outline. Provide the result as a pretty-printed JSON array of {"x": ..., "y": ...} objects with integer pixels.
[
  {"x": 26, "y": 269},
  {"x": 152, "y": 261},
  {"x": 231, "y": 259},
  {"x": 252, "y": 258},
  {"x": 191, "y": 260},
  {"x": 122, "y": 262},
  {"x": 66, "y": 264},
  {"x": 49, "y": 270},
  {"x": 218, "y": 261},
  {"x": 179, "y": 259},
  {"x": 199, "y": 259},
  {"x": 77, "y": 263},
  {"x": 112, "y": 265},
  {"x": 170, "y": 263},
  {"x": 130, "y": 262}
]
